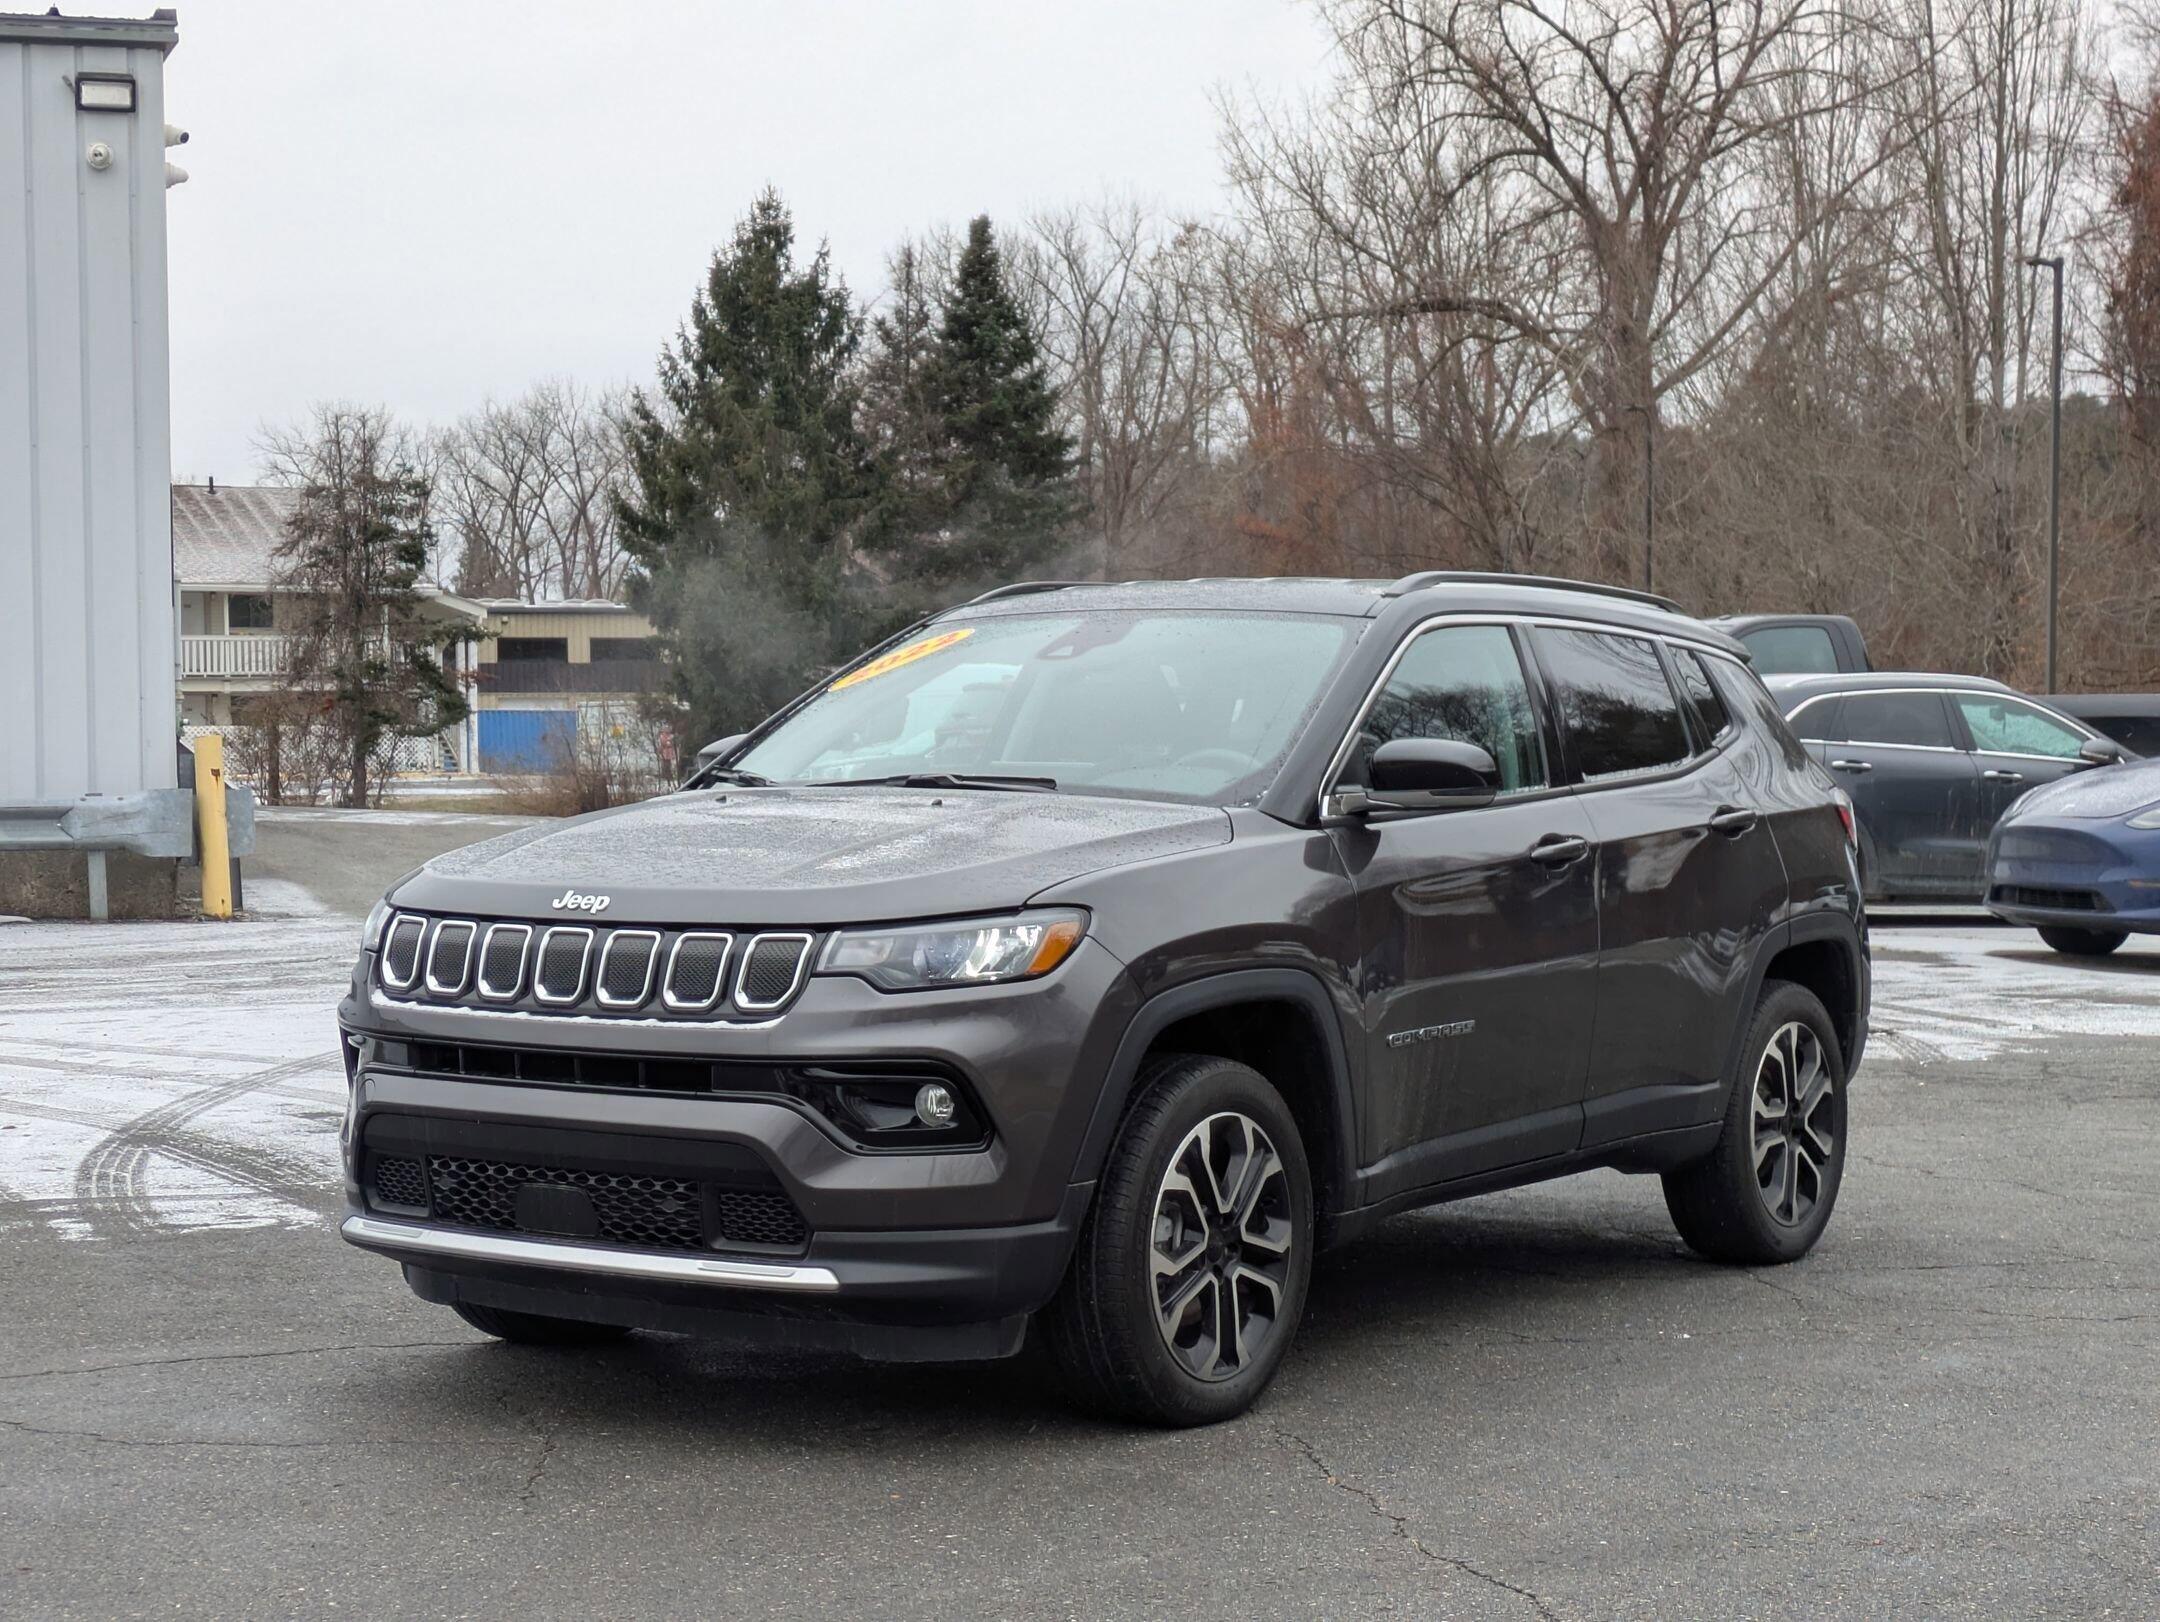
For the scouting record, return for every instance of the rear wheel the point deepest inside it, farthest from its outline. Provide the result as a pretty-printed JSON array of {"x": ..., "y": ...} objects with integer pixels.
[
  {"x": 1191, "y": 1269},
  {"x": 1765, "y": 1193},
  {"x": 531, "y": 1329},
  {"x": 2083, "y": 942}
]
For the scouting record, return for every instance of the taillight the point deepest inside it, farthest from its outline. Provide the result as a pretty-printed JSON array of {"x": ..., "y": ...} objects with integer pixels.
[{"x": 1845, "y": 815}]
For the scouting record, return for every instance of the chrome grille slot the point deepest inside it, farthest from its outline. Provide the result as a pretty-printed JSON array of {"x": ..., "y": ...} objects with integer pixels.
[
  {"x": 697, "y": 972},
  {"x": 450, "y": 957},
  {"x": 626, "y": 968},
  {"x": 772, "y": 968},
  {"x": 401, "y": 952},
  {"x": 560, "y": 977},
  {"x": 502, "y": 961}
]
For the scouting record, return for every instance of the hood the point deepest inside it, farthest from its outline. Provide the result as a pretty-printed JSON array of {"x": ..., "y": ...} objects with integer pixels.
[
  {"x": 2109, "y": 791},
  {"x": 806, "y": 856}
]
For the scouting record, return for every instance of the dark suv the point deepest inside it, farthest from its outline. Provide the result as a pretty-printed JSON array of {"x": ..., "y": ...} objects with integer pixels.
[{"x": 1094, "y": 955}]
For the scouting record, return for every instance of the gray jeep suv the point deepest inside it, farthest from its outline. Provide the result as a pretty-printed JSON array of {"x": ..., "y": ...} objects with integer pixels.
[{"x": 1092, "y": 956}]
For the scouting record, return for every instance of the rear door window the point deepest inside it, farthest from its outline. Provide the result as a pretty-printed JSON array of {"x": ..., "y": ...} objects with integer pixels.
[
  {"x": 1616, "y": 707},
  {"x": 1791, "y": 650},
  {"x": 1913, "y": 719}
]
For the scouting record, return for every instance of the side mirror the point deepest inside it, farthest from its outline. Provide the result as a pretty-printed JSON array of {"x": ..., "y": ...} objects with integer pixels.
[
  {"x": 719, "y": 749},
  {"x": 710, "y": 756},
  {"x": 2102, "y": 752},
  {"x": 1430, "y": 774}
]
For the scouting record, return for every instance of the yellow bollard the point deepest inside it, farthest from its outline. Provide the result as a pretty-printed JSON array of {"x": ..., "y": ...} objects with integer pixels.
[{"x": 210, "y": 825}]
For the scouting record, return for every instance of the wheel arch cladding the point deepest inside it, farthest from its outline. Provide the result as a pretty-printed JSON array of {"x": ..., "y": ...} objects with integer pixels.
[
  {"x": 1278, "y": 1022},
  {"x": 1824, "y": 965}
]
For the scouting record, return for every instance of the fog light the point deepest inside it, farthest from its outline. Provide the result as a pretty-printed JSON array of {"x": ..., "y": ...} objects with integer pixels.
[
  {"x": 352, "y": 1117},
  {"x": 934, "y": 1105}
]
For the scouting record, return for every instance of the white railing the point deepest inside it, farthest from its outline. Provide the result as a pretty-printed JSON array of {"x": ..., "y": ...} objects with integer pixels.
[{"x": 233, "y": 655}]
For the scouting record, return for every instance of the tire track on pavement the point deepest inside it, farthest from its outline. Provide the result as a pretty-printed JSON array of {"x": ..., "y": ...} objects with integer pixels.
[{"x": 109, "y": 1188}]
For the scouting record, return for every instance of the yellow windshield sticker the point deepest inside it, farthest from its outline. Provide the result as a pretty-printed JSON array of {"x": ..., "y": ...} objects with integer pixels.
[{"x": 887, "y": 662}]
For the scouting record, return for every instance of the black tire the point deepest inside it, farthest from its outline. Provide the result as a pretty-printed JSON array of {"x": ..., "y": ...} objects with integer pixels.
[
  {"x": 531, "y": 1329},
  {"x": 2083, "y": 942},
  {"x": 1103, "y": 1326},
  {"x": 1765, "y": 1193}
]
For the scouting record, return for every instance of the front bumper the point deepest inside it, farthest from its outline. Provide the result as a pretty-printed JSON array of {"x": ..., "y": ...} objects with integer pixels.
[
  {"x": 2044, "y": 874},
  {"x": 894, "y": 1246}
]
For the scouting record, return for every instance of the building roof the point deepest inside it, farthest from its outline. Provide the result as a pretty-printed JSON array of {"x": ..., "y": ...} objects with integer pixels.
[
  {"x": 226, "y": 535},
  {"x": 225, "y": 538},
  {"x": 160, "y": 28},
  {"x": 566, "y": 605}
]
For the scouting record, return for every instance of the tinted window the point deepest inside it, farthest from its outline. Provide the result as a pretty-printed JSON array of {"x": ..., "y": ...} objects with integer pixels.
[
  {"x": 1895, "y": 718},
  {"x": 1465, "y": 684},
  {"x": 2006, "y": 727},
  {"x": 1817, "y": 722},
  {"x": 247, "y": 611},
  {"x": 2139, "y": 734},
  {"x": 1711, "y": 721},
  {"x": 512, "y": 649},
  {"x": 1616, "y": 707},
  {"x": 1791, "y": 650}
]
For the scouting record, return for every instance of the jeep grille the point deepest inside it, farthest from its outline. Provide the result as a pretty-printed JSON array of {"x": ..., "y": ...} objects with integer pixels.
[{"x": 594, "y": 970}]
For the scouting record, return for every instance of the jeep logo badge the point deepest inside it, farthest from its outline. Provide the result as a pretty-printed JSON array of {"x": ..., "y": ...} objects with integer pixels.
[{"x": 571, "y": 901}]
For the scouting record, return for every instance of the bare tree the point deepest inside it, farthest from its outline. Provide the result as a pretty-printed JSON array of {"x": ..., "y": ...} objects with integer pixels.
[
  {"x": 1122, "y": 298},
  {"x": 1630, "y": 128},
  {"x": 527, "y": 487}
]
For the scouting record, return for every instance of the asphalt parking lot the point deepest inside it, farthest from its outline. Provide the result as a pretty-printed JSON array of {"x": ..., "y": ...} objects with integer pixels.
[{"x": 1535, "y": 1404}]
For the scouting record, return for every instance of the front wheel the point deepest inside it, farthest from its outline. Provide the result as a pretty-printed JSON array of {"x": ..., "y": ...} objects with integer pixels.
[
  {"x": 2083, "y": 942},
  {"x": 1765, "y": 1193},
  {"x": 1191, "y": 1269}
]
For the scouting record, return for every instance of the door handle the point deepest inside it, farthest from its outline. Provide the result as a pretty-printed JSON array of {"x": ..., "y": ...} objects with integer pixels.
[
  {"x": 1557, "y": 850},
  {"x": 1732, "y": 820},
  {"x": 1994, "y": 776},
  {"x": 1852, "y": 765}
]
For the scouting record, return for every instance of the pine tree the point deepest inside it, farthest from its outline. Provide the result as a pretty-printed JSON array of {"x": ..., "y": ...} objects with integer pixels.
[
  {"x": 988, "y": 380},
  {"x": 996, "y": 494},
  {"x": 747, "y": 473},
  {"x": 897, "y": 418}
]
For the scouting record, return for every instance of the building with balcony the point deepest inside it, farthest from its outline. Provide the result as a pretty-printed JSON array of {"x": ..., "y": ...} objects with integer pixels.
[{"x": 534, "y": 673}]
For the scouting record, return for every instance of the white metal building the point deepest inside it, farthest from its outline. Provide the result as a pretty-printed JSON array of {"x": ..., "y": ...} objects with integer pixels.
[{"x": 88, "y": 726}]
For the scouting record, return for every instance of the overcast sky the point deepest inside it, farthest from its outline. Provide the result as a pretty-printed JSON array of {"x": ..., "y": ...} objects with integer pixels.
[{"x": 419, "y": 205}]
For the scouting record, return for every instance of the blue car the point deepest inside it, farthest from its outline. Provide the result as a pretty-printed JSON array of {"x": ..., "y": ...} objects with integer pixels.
[{"x": 2079, "y": 859}]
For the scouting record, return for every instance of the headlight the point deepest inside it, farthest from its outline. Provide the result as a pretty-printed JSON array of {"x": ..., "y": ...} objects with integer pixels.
[
  {"x": 2147, "y": 818},
  {"x": 371, "y": 931},
  {"x": 975, "y": 952}
]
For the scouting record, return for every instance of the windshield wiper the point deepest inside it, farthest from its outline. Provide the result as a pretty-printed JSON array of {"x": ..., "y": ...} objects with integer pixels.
[
  {"x": 986, "y": 780},
  {"x": 727, "y": 774}
]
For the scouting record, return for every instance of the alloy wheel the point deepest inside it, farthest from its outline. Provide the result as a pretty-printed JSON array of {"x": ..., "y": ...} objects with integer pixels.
[
  {"x": 1219, "y": 1259},
  {"x": 1795, "y": 1123}
]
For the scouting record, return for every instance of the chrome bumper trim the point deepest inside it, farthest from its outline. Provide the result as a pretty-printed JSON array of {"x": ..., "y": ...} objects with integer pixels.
[{"x": 409, "y": 1238}]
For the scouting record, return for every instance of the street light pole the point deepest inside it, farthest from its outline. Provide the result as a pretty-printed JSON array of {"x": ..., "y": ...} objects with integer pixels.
[{"x": 2054, "y": 578}]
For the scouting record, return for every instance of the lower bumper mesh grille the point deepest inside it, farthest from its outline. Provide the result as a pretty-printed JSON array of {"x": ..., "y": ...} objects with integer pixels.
[
  {"x": 2047, "y": 900},
  {"x": 650, "y": 1213}
]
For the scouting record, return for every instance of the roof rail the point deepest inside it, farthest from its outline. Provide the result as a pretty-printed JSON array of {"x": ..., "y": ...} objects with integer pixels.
[
  {"x": 1024, "y": 588},
  {"x": 1478, "y": 577}
]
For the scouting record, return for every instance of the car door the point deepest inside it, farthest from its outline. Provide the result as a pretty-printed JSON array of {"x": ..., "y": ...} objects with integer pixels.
[
  {"x": 1478, "y": 928},
  {"x": 2016, "y": 745},
  {"x": 1688, "y": 876},
  {"x": 1915, "y": 791}
]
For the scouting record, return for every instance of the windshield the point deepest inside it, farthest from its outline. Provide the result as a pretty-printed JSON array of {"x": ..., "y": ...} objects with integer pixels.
[{"x": 1179, "y": 706}]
